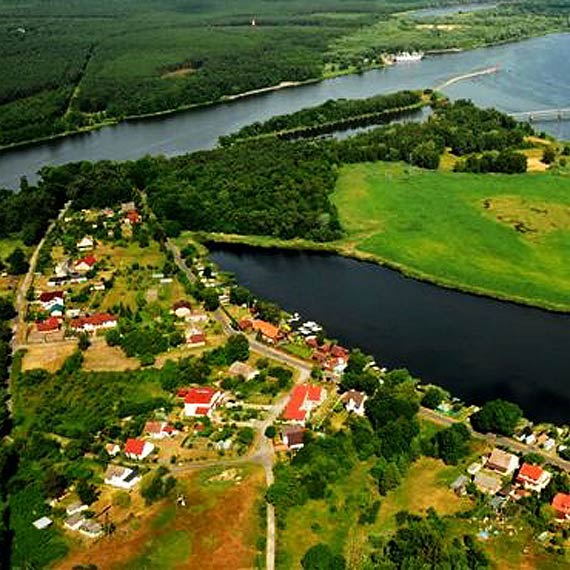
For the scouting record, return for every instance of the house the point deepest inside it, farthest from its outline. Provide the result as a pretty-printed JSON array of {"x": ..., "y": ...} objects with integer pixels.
[
  {"x": 75, "y": 508},
  {"x": 86, "y": 244},
  {"x": 459, "y": 486},
  {"x": 56, "y": 310},
  {"x": 487, "y": 483},
  {"x": 245, "y": 325},
  {"x": 56, "y": 280},
  {"x": 49, "y": 298},
  {"x": 269, "y": 333},
  {"x": 293, "y": 437},
  {"x": 502, "y": 462},
  {"x": 561, "y": 506},
  {"x": 354, "y": 401},
  {"x": 74, "y": 522},
  {"x": 128, "y": 207},
  {"x": 201, "y": 401},
  {"x": 42, "y": 523},
  {"x": 304, "y": 399},
  {"x": 121, "y": 477},
  {"x": 85, "y": 264},
  {"x": 197, "y": 317},
  {"x": 182, "y": 309},
  {"x": 98, "y": 286},
  {"x": 474, "y": 468},
  {"x": 533, "y": 477},
  {"x": 133, "y": 218},
  {"x": 138, "y": 449},
  {"x": 94, "y": 322},
  {"x": 195, "y": 338},
  {"x": 62, "y": 269},
  {"x": 112, "y": 449},
  {"x": 338, "y": 351},
  {"x": 91, "y": 529},
  {"x": 159, "y": 430},
  {"x": 242, "y": 369},
  {"x": 49, "y": 325}
]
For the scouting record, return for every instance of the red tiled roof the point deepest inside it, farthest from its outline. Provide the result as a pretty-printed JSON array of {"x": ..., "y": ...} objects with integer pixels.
[
  {"x": 312, "y": 342},
  {"x": 196, "y": 338},
  {"x": 94, "y": 320},
  {"x": 561, "y": 503},
  {"x": 299, "y": 395},
  {"x": 48, "y": 296},
  {"x": 133, "y": 216},
  {"x": 134, "y": 446},
  {"x": 88, "y": 260},
  {"x": 181, "y": 393},
  {"x": 338, "y": 351},
  {"x": 51, "y": 324},
  {"x": 528, "y": 471},
  {"x": 202, "y": 395},
  {"x": 153, "y": 427},
  {"x": 314, "y": 393},
  {"x": 245, "y": 324},
  {"x": 202, "y": 411},
  {"x": 266, "y": 329}
]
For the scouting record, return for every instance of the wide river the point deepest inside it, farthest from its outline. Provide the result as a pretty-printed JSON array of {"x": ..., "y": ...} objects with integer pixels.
[
  {"x": 534, "y": 74},
  {"x": 477, "y": 348}
]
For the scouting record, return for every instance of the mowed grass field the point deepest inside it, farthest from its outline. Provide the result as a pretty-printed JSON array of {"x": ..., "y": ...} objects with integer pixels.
[{"x": 501, "y": 235}]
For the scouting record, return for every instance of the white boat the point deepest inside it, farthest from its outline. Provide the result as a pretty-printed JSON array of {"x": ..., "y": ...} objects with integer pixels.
[{"x": 408, "y": 57}]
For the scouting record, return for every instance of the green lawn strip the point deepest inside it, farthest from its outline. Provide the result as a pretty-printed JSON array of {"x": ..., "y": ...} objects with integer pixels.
[
  {"x": 165, "y": 551},
  {"x": 433, "y": 225}
]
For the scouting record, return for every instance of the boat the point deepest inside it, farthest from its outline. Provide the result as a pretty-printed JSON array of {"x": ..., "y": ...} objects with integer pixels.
[{"x": 408, "y": 57}]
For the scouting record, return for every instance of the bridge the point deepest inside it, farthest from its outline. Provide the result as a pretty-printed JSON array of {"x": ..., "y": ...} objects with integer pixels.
[{"x": 540, "y": 115}]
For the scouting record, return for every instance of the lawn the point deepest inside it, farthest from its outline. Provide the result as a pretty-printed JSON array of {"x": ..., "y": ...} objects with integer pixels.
[
  {"x": 49, "y": 356},
  {"x": 501, "y": 235}
]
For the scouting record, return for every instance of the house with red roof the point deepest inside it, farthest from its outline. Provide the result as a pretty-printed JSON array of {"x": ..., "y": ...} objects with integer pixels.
[
  {"x": 269, "y": 333},
  {"x": 49, "y": 298},
  {"x": 561, "y": 506},
  {"x": 93, "y": 323},
  {"x": 201, "y": 401},
  {"x": 303, "y": 400},
  {"x": 533, "y": 477},
  {"x": 195, "y": 338},
  {"x": 138, "y": 449},
  {"x": 159, "y": 430},
  {"x": 293, "y": 437},
  {"x": 51, "y": 324},
  {"x": 85, "y": 264},
  {"x": 133, "y": 218}
]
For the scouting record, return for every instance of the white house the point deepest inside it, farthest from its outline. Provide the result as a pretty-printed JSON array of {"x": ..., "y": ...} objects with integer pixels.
[
  {"x": 182, "y": 309},
  {"x": 112, "y": 449},
  {"x": 353, "y": 401},
  {"x": 201, "y": 401},
  {"x": 91, "y": 529},
  {"x": 138, "y": 449},
  {"x": 121, "y": 477},
  {"x": 159, "y": 430},
  {"x": 85, "y": 244},
  {"x": 533, "y": 477},
  {"x": 502, "y": 462},
  {"x": 242, "y": 369},
  {"x": 75, "y": 508},
  {"x": 74, "y": 522}
]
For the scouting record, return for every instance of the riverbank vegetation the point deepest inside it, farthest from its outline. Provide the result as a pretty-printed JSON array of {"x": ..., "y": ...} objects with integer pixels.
[{"x": 85, "y": 65}]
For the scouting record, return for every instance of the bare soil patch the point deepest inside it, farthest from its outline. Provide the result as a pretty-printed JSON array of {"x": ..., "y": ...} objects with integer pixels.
[
  {"x": 49, "y": 356},
  {"x": 99, "y": 356}
]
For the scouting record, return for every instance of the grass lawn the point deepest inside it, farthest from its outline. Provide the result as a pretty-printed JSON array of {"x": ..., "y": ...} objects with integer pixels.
[{"x": 502, "y": 235}]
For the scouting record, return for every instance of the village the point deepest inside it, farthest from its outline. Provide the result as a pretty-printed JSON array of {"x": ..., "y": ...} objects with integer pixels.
[{"x": 269, "y": 382}]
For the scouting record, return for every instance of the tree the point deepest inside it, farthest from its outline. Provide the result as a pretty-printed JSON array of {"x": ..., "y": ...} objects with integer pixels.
[
  {"x": 7, "y": 310},
  {"x": 84, "y": 342},
  {"x": 17, "y": 262},
  {"x": 87, "y": 493},
  {"x": 497, "y": 416},
  {"x": 240, "y": 296},
  {"x": 211, "y": 299},
  {"x": 237, "y": 348},
  {"x": 270, "y": 432},
  {"x": 549, "y": 155},
  {"x": 433, "y": 397},
  {"x": 452, "y": 444},
  {"x": 321, "y": 557}
]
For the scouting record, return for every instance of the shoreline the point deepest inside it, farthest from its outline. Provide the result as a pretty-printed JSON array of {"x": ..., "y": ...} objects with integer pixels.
[
  {"x": 335, "y": 248},
  {"x": 115, "y": 121}
]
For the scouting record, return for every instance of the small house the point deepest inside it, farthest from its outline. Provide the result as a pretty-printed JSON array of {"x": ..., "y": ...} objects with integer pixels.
[
  {"x": 112, "y": 449},
  {"x": 159, "y": 430},
  {"x": 138, "y": 449},
  {"x": 533, "y": 477},
  {"x": 459, "y": 486},
  {"x": 91, "y": 529},
  {"x": 127, "y": 207},
  {"x": 474, "y": 468},
  {"x": 487, "y": 483},
  {"x": 94, "y": 322},
  {"x": 75, "y": 508},
  {"x": 121, "y": 477},
  {"x": 293, "y": 437},
  {"x": 85, "y": 264},
  {"x": 86, "y": 244},
  {"x": 244, "y": 370},
  {"x": 49, "y": 298},
  {"x": 502, "y": 462},
  {"x": 74, "y": 522},
  {"x": 133, "y": 218},
  {"x": 56, "y": 310},
  {"x": 269, "y": 333},
  {"x": 42, "y": 523},
  {"x": 51, "y": 324},
  {"x": 182, "y": 309},
  {"x": 561, "y": 506},
  {"x": 201, "y": 401},
  {"x": 195, "y": 338},
  {"x": 353, "y": 401}
]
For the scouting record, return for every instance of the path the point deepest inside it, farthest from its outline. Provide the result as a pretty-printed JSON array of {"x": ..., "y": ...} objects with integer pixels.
[{"x": 494, "y": 439}]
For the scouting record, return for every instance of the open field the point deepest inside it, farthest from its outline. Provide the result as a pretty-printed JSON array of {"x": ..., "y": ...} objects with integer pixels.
[
  {"x": 217, "y": 529},
  {"x": 49, "y": 356},
  {"x": 500, "y": 235},
  {"x": 99, "y": 356}
]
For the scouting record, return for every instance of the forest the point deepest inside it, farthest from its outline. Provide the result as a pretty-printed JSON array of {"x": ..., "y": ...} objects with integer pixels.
[{"x": 81, "y": 65}]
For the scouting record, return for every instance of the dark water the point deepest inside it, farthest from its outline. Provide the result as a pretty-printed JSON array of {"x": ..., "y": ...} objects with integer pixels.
[
  {"x": 534, "y": 74},
  {"x": 477, "y": 348}
]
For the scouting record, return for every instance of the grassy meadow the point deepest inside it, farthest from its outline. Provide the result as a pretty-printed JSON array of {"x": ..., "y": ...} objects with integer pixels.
[{"x": 500, "y": 235}]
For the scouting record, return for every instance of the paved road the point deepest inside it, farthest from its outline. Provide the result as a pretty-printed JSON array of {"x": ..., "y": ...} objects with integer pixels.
[
  {"x": 507, "y": 442},
  {"x": 262, "y": 450}
]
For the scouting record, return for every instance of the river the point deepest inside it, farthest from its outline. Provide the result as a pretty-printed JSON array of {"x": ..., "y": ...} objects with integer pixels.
[
  {"x": 534, "y": 74},
  {"x": 477, "y": 348}
]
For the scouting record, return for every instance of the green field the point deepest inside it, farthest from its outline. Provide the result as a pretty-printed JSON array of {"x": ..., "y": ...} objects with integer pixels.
[{"x": 500, "y": 235}]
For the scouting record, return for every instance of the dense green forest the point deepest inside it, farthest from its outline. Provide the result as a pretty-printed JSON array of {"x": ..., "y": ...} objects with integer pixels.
[{"x": 77, "y": 65}]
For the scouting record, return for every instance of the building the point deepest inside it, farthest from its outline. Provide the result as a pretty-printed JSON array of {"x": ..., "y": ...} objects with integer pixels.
[
  {"x": 49, "y": 298},
  {"x": 195, "y": 338},
  {"x": 74, "y": 522},
  {"x": 56, "y": 310},
  {"x": 112, "y": 449},
  {"x": 502, "y": 462},
  {"x": 91, "y": 529},
  {"x": 243, "y": 369},
  {"x": 86, "y": 244},
  {"x": 561, "y": 506},
  {"x": 353, "y": 401},
  {"x": 121, "y": 477},
  {"x": 133, "y": 218},
  {"x": 197, "y": 317},
  {"x": 94, "y": 322},
  {"x": 138, "y": 449},
  {"x": 293, "y": 437},
  {"x": 459, "y": 486},
  {"x": 533, "y": 477},
  {"x": 304, "y": 399},
  {"x": 75, "y": 508},
  {"x": 159, "y": 430},
  {"x": 42, "y": 523},
  {"x": 127, "y": 207},
  {"x": 269, "y": 333},
  {"x": 51, "y": 324},
  {"x": 85, "y": 264},
  {"x": 488, "y": 483},
  {"x": 182, "y": 309},
  {"x": 201, "y": 401}
]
